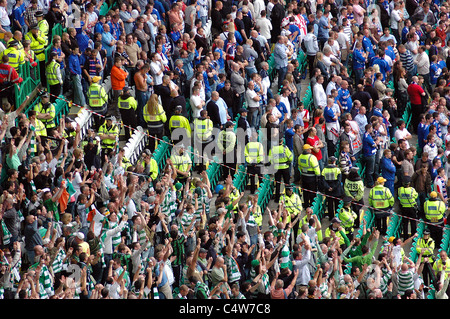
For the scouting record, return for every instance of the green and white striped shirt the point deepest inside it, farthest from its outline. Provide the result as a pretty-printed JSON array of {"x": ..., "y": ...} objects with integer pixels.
[
  {"x": 58, "y": 263},
  {"x": 233, "y": 271}
]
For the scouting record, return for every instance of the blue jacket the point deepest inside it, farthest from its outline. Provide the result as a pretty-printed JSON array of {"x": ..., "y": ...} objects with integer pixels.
[
  {"x": 387, "y": 169},
  {"x": 369, "y": 146},
  {"x": 359, "y": 62},
  {"x": 74, "y": 64}
]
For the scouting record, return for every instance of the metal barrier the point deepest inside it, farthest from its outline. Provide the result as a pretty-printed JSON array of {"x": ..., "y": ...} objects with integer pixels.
[{"x": 136, "y": 144}]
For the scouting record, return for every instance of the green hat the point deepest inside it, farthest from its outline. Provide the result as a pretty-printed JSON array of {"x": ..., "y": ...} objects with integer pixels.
[
  {"x": 255, "y": 263},
  {"x": 178, "y": 186}
]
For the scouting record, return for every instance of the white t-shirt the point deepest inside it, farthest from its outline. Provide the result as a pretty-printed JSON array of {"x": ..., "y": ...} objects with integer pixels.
[
  {"x": 401, "y": 134},
  {"x": 196, "y": 101},
  {"x": 250, "y": 94},
  {"x": 155, "y": 67}
]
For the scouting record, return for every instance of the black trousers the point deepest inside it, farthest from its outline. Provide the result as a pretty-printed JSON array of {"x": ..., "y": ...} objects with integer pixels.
[
  {"x": 229, "y": 162},
  {"x": 253, "y": 171},
  {"x": 409, "y": 219},
  {"x": 129, "y": 121},
  {"x": 283, "y": 173},
  {"x": 332, "y": 205},
  {"x": 309, "y": 186},
  {"x": 154, "y": 132},
  {"x": 55, "y": 91}
]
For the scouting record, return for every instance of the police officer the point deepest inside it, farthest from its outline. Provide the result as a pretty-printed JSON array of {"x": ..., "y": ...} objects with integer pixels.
[
  {"x": 109, "y": 135},
  {"x": 182, "y": 163},
  {"x": 407, "y": 196},
  {"x": 42, "y": 25},
  {"x": 354, "y": 188},
  {"x": 331, "y": 182},
  {"x": 127, "y": 105},
  {"x": 293, "y": 204},
  {"x": 347, "y": 217},
  {"x": 46, "y": 111},
  {"x": 281, "y": 158},
  {"x": 434, "y": 215},
  {"x": 381, "y": 201},
  {"x": 97, "y": 100},
  {"x": 308, "y": 166},
  {"x": 54, "y": 77},
  {"x": 37, "y": 44},
  {"x": 149, "y": 164},
  {"x": 155, "y": 117},
  {"x": 179, "y": 121},
  {"x": 425, "y": 246},
  {"x": 16, "y": 57},
  {"x": 226, "y": 143},
  {"x": 254, "y": 158},
  {"x": 203, "y": 135}
]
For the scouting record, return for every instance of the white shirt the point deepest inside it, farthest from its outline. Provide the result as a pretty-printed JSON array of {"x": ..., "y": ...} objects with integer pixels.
[
  {"x": 155, "y": 67},
  {"x": 196, "y": 100},
  {"x": 265, "y": 27},
  {"x": 250, "y": 94},
  {"x": 401, "y": 134},
  {"x": 320, "y": 97},
  {"x": 4, "y": 18},
  {"x": 286, "y": 102},
  {"x": 395, "y": 19}
]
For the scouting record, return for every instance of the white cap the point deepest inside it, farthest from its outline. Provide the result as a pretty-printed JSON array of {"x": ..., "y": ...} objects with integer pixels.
[{"x": 79, "y": 235}]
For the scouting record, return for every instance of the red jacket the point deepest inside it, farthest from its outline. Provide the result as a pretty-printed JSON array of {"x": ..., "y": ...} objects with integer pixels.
[
  {"x": 118, "y": 77},
  {"x": 9, "y": 74},
  {"x": 415, "y": 93}
]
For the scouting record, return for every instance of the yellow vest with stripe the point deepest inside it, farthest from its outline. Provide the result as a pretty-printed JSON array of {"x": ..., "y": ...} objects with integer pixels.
[
  {"x": 19, "y": 45},
  {"x": 347, "y": 217},
  {"x": 380, "y": 197},
  {"x": 127, "y": 104},
  {"x": 97, "y": 96},
  {"x": 338, "y": 235},
  {"x": 234, "y": 194},
  {"x": 50, "y": 70},
  {"x": 280, "y": 156},
  {"x": 181, "y": 162},
  {"x": 155, "y": 121},
  {"x": 37, "y": 45},
  {"x": 125, "y": 163},
  {"x": 179, "y": 121},
  {"x": 16, "y": 57},
  {"x": 109, "y": 142},
  {"x": 203, "y": 129},
  {"x": 257, "y": 216},
  {"x": 293, "y": 205},
  {"x": 49, "y": 109},
  {"x": 331, "y": 173},
  {"x": 44, "y": 28},
  {"x": 439, "y": 266},
  {"x": 428, "y": 245},
  {"x": 154, "y": 170},
  {"x": 226, "y": 141},
  {"x": 40, "y": 128},
  {"x": 308, "y": 165},
  {"x": 254, "y": 153},
  {"x": 407, "y": 196},
  {"x": 434, "y": 211}
]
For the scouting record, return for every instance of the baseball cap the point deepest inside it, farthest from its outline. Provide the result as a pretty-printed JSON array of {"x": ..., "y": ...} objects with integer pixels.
[
  {"x": 433, "y": 194},
  {"x": 307, "y": 147},
  {"x": 96, "y": 78},
  {"x": 381, "y": 179},
  {"x": 336, "y": 220},
  {"x": 79, "y": 235},
  {"x": 426, "y": 231}
]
